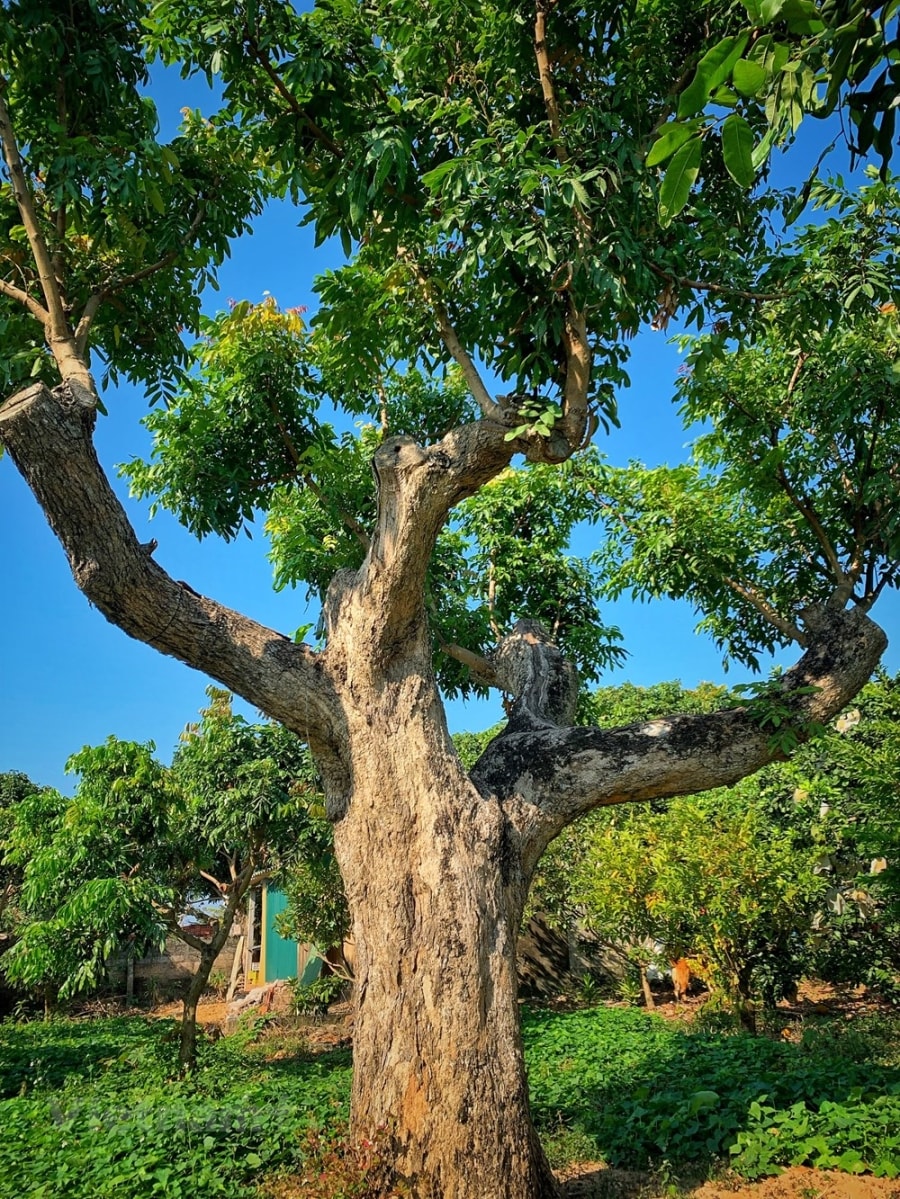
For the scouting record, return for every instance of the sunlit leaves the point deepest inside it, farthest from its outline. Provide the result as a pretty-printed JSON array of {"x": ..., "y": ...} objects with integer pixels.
[
  {"x": 792, "y": 487},
  {"x": 711, "y": 877},
  {"x": 133, "y": 225},
  {"x": 239, "y": 426}
]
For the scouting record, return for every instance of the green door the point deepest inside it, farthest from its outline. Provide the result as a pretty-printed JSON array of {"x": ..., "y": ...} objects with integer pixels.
[{"x": 280, "y": 955}]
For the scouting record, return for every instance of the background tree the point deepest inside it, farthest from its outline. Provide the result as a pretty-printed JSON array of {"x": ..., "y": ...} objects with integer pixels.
[
  {"x": 790, "y": 872},
  {"x": 839, "y": 794},
  {"x": 14, "y": 787},
  {"x": 489, "y": 170},
  {"x": 712, "y": 880},
  {"x": 140, "y": 846},
  {"x": 248, "y": 789}
]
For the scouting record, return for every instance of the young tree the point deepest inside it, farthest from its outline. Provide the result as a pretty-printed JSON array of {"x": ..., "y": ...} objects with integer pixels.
[
  {"x": 711, "y": 878},
  {"x": 492, "y": 171},
  {"x": 141, "y": 845},
  {"x": 249, "y": 789},
  {"x": 14, "y": 787}
]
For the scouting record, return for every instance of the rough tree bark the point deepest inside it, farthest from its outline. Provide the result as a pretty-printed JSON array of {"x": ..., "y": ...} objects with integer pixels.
[{"x": 436, "y": 863}]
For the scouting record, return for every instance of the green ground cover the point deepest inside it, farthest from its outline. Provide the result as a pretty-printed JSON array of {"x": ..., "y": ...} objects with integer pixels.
[{"x": 92, "y": 1109}]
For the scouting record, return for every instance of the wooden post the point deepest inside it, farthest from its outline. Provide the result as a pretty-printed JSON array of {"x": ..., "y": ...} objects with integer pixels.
[{"x": 236, "y": 969}]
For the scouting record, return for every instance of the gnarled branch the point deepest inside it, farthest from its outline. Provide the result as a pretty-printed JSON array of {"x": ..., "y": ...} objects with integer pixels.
[
  {"x": 48, "y": 435},
  {"x": 556, "y": 774}
]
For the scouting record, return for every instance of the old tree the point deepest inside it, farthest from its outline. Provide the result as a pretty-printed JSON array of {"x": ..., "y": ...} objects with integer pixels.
[{"x": 518, "y": 189}]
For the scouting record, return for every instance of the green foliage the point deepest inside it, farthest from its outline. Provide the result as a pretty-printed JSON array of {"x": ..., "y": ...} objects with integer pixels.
[
  {"x": 315, "y": 998},
  {"x": 93, "y": 1108},
  {"x": 136, "y": 223},
  {"x": 711, "y": 879},
  {"x": 244, "y": 435},
  {"x": 846, "y": 789},
  {"x": 793, "y": 58},
  {"x": 250, "y": 789},
  {"x": 798, "y": 450},
  {"x": 607, "y": 707},
  {"x": 517, "y": 530},
  {"x": 89, "y": 1107},
  {"x": 95, "y": 869},
  {"x": 316, "y": 912},
  {"x": 767, "y": 704},
  {"x": 15, "y": 787},
  {"x": 641, "y": 1092},
  {"x": 792, "y": 870},
  {"x": 116, "y": 867},
  {"x": 465, "y": 199},
  {"x": 467, "y": 184}
]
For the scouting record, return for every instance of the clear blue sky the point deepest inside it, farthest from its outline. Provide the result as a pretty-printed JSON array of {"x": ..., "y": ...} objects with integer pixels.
[{"x": 68, "y": 678}]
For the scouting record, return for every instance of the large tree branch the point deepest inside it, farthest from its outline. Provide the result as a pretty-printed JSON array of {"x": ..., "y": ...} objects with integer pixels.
[
  {"x": 48, "y": 435},
  {"x": 416, "y": 488},
  {"x": 554, "y": 774},
  {"x": 22, "y": 297}
]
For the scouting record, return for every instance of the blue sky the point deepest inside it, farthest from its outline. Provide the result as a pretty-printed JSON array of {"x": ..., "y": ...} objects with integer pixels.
[{"x": 68, "y": 678}]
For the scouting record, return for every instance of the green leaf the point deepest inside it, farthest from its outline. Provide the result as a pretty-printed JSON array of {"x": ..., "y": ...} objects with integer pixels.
[
  {"x": 737, "y": 150},
  {"x": 679, "y": 179},
  {"x": 761, "y": 152},
  {"x": 748, "y": 77},
  {"x": 713, "y": 68},
  {"x": 432, "y": 179},
  {"x": 671, "y": 137}
]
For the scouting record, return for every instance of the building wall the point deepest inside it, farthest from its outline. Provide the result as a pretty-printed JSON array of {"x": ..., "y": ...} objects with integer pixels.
[{"x": 175, "y": 963}]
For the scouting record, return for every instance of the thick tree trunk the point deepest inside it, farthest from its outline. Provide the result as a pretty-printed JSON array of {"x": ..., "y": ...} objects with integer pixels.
[{"x": 436, "y": 890}]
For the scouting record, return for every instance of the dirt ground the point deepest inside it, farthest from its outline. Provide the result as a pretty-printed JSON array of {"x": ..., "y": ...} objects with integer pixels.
[
  {"x": 212, "y": 1013},
  {"x": 594, "y": 1181}
]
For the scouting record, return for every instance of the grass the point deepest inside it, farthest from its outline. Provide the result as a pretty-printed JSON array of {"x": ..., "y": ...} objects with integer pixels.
[
  {"x": 93, "y": 1109},
  {"x": 637, "y": 1092}
]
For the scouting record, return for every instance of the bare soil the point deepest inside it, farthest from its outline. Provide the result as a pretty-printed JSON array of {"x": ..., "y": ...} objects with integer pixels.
[
  {"x": 208, "y": 1013},
  {"x": 591, "y": 1180}
]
